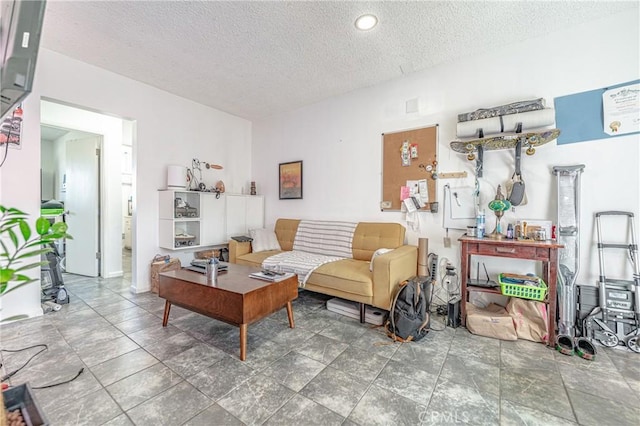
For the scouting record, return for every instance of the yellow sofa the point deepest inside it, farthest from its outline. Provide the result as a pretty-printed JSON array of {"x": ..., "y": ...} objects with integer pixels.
[{"x": 349, "y": 279}]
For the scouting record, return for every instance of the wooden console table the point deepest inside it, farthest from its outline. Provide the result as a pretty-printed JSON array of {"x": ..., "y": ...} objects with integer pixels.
[{"x": 543, "y": 251}]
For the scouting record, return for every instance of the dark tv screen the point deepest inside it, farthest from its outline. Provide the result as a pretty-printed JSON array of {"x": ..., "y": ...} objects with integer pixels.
[{"x": 20, "y": 30}]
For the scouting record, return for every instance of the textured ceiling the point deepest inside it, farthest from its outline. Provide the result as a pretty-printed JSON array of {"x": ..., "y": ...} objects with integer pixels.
[{"x": 254, "y": 59}]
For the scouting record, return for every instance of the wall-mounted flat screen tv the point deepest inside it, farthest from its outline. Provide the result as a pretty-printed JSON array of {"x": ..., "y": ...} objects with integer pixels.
[{"x": 20, "y": 30}]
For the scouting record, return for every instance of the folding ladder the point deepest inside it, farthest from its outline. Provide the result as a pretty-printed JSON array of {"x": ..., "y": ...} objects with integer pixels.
[{"x": 619, "y": 299}]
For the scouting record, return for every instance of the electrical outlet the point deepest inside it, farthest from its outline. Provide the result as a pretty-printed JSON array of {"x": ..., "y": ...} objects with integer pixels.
[
  {"x": 447, "y": 242},
  {"x": 434, "y": 267}
]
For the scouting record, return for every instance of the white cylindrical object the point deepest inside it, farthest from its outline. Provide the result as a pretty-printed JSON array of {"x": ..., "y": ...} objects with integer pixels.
[
  {"x": 423, "y": 257},
  {"x": 492, "y": 126},
  {"x": 530, "y": 119},
  {"x": 176, "y": 177},
  {"x": 469, "y": 129}
]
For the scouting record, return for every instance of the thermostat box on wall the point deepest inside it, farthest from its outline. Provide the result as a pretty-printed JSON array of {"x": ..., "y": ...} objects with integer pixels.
[{"x": 372, "y": 315}]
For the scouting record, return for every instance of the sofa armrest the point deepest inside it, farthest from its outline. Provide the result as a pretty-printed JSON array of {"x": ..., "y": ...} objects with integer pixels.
[
  {"x": 389, "y": 270},
  {"x": 238, "y": 249}
]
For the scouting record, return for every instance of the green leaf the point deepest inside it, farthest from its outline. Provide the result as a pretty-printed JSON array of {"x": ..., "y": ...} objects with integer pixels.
[
  {"x": 26, "y": 230},
  {"x": 15, "y": 287},
  {"x": 3, "y": 287},
  {"x": 15, "y": 318},
  {"x": 13, "y": 236},
  {"x": 21, "y": 277},
  {"x": 43, "y": 226},
  {"x": 33, "y": 253},
  {"x": 59, "y": 228},
  {"x": 31, "y": 266},
  {"x": 38, "y": 243},
  {"x": 6, "y": 274},
  {"x": 13, "y": 210}
]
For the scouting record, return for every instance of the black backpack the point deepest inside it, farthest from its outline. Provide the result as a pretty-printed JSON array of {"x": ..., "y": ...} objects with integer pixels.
[{"x": 409, "y": 316}]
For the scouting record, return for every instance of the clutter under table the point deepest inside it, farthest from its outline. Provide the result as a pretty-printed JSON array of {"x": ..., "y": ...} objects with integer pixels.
[{"x": 542, "y": 251}]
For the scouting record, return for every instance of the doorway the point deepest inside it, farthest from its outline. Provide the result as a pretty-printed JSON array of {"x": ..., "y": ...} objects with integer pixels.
[
  {"x": 116, "y": 180},
  {"x": 70, "y": 175}
]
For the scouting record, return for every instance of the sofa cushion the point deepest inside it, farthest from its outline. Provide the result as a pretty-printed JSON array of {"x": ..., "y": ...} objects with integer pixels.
[
  {"x": 348, "y": 275},
  {"x": 286, "y": 230},
  {"x": 371, "y": 236},
  {"x": 255, "y": 259},
  {"x": 263, "y": 240}
]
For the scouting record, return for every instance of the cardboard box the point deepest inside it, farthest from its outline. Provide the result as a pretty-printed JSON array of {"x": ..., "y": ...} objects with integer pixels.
[
  {"x": 157, "y": 267},
  {"x": 207, "y": 254},
  {"x": 492, "y": 321}
]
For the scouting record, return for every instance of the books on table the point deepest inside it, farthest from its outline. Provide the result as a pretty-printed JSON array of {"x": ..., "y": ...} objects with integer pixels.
[{"x": 270, "y": 276}]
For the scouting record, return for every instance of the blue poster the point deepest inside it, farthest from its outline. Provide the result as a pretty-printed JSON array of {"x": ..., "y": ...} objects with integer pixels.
[{"x": 580, "y": 116}]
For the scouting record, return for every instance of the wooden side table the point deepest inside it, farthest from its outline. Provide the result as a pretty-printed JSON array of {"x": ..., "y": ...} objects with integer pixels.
[{"x": 543, "y": 251}]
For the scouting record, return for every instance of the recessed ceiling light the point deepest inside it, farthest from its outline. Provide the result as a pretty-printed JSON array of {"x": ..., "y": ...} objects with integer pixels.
[{"x": 366, "y": 22}]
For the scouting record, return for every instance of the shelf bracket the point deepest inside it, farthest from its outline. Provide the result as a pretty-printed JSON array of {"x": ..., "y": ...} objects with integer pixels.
[{"x": 452, "y": 175}]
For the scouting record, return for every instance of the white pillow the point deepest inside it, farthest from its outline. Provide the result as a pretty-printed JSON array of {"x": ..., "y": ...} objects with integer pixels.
[
  {"x": 263, "y": 239},
  {"x": 378, "y": 253}
]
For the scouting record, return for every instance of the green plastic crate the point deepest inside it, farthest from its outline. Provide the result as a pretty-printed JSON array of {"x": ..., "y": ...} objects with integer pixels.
[{"x": 523, "y": 291}]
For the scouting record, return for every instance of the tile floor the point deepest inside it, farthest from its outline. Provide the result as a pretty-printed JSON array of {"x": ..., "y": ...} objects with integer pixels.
[{"x": 329, "y": 370}]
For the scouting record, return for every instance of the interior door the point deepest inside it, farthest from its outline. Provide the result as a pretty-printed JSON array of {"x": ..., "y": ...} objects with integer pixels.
[{"x": 82, "y": 204}]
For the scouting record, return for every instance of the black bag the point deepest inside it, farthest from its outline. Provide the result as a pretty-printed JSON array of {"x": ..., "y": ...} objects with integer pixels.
[{"x": 409, "y": 316}]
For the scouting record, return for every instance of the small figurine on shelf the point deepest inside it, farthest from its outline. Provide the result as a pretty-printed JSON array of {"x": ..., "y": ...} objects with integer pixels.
[{"x": 253, "y": 188}]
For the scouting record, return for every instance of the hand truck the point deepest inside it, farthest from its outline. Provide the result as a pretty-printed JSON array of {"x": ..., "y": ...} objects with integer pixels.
[{"x": 618, "y": 316}]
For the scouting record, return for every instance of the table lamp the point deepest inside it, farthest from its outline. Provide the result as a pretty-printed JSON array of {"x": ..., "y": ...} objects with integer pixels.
[{"x": 498, "y": 205}]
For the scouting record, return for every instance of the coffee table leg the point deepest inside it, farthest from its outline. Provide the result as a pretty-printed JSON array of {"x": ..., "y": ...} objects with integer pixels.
[
  {"x": 243, "y": 342},
  {"x": 290, "y": 315},
  {"x": 165, "y": 318}
]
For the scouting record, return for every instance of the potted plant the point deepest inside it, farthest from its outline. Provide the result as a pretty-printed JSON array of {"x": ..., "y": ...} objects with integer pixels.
[
  {"x": 23, "y": 243},
  {"x": 19, "y": 245}
]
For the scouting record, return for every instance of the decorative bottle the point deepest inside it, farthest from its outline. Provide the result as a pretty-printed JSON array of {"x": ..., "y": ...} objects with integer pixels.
[
  {"x": 510, "y": 232},
  {"x": 480, "y": 224},
  {"x": 212, "y": 271}
]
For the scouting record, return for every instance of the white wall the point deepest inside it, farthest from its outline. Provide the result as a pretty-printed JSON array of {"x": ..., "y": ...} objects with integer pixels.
[
  {"x": 339, "y": 139},
  {"x": 169, "y": 130}
]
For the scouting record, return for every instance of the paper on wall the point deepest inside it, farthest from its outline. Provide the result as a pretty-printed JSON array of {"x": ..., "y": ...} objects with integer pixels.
[
  {"x": 419, "y": 189},
  {"x": 459, "y": 209},
  {"x": 621, "y": 108}
]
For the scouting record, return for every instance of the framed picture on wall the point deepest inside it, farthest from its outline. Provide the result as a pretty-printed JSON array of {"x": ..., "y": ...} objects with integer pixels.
[{"x": 290, "y": 181}]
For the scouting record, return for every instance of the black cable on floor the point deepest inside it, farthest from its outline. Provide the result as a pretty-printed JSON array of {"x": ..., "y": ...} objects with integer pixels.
[
  {"x": 44, "y": 348},
  {"x": 9, "y": 375},
  {"x": 60, "y": 383}
]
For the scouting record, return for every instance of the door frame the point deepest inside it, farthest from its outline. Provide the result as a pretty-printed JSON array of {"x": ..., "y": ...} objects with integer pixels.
[{"x": 96, "y": 121}]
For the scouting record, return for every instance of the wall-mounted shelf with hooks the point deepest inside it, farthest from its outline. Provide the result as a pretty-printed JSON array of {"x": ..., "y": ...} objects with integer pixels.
[{"x": 475, "y": 148}]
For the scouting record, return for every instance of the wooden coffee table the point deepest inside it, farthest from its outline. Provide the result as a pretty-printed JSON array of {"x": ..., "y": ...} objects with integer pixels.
[{"x": 235, "y": 299}]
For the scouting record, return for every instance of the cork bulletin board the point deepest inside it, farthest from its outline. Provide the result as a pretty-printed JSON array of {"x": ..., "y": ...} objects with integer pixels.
[{"x": 395, "y": 174}]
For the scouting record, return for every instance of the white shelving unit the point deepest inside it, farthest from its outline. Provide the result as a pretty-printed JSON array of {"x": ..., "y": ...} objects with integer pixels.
[
  {"x": 179, "y": 219},
  {"x": 191, "y": 219}
]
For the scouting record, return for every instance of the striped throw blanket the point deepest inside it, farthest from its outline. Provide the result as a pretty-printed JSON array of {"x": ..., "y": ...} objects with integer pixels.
[
  {"x": 328, "y": 238},
  {"x": 299, "y": 262}
]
